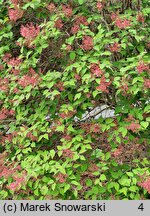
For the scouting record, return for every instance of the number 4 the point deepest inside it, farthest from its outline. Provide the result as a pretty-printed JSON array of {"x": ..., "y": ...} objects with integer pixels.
[{"x": 141, "y": 207}]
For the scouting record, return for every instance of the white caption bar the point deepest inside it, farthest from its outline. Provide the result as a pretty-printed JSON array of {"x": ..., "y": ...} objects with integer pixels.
[{"x": 75, "y": 207}]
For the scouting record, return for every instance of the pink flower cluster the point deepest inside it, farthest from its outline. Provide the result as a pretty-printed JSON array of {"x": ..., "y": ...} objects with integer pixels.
[
  {"x": 77, "y": 77},
  {"x": 93, "y": 168},
  {"x": 29, "y": 32},
  {"x": 67, "y": 137},
  {"x": 15, "y": 90},
  {"x": 6, "y": 57},
  {"x": 81, "y": 20},
  {"x": 51, "y": 7},
  {"x": 27, "y": 80},
  {"x": 69, "y": 114},
  {"x": 117, "y": 152},
  {"x": 7, "y": 171},
  {"x": 99, "y": 6},
  {"x": 145, "y": 184},
  {"x": 1, "y": 67},
  {"x": 16, "y": 184},
  {"x": 68, "y": 47},
  {"x": 124, "y": 87},
  {"x": 142, "y": 67},
  {"x": 96, "y": 70},
  {"x": 120, "y": 23},
  {"x": 16, "y": 2},
  {"x": 4, "y": 113},
  {"x": 67, "y": 10},
  {"x": 68, "y": 153},
  {"x": 14, "y": 62},
  {"x": 103, "y": 85},
  {"x": 4, "y": 84},
  {"x": 8, "y": 138},
  {"x": 2, "y": 116},
  {"x": 78, "y": 21},
  {"x": 60, "y": 86},
  {"x": 62, "y": 177},
  {"x": 147, "y": 83},
  {"x": 95, "y": 128},
  {"x": 30, "y": 79},
  {"x": 114, "y": 16},
  {"x": 15, "y": 71},
  {"x": 87, "y": 43},
  {"x": 31, "y": 136},
  {"x": 13, "y": 186},
  {"x": 75, "y": 29},
  {"x": 115, "y": 47},
  {"x": 59, "y": 24},
  {"x": 88, "y": 95},
  {"x": 15, "y": 14},
  {"x": 134, "y": 127},
  {"x": 140, "y": 18}
]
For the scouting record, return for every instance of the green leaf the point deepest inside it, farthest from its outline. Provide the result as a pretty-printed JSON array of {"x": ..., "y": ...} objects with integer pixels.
[
  {"x": 107, "y": 156},
  {"x": 36, "y": 192},
  {"x": 28, "y": 88},
  {"x": 72, "y": 55},
  {"x": 140, "y": 48},
  {"x": 124, "y": 132},
  {"x": 44, "y": 190},
  {"x": 116, "y": 186},
  {"x": 95, "y": 190},
  {"x": 70, "y": 128},
  {"x": 60, "y": 128},
  {"x": 52, "y": 153},
  {"x": 133, "y": 188},
  {"x": 123, "y": 190},
  {"x": 125, "y": 181},
  {"x": 134, "y": 180},
  {"x": 46, "y": 136},
  {"x": 75, "y": 182},
  {"x": 103, "y": 177},
  {"x": 70, "y": 40},
  {"x": 27, "y": 96},
  {"x": 111, "y": 185},
  {"x": 77, "y": 96},
  {"x": 81, "y": 2},
  {"x": 89, "y": 182},
  {"x": 53, "y": 186},
  {"x": 95, "y": 93},
  {"x": 118, "y": 139},
  {"x": 84, "y": 167},
  {"x": 148, "y": 119},
  {"x": 136, "y": 79},
  {"x": 130, "y": 174},
  {"x": 109, "y": 120},
  {"x": 67, "y": 186},
  {"x": 123, "y": 45},
  {"x": 45, "y": 179},
  {"x": 144, "y": 124}
]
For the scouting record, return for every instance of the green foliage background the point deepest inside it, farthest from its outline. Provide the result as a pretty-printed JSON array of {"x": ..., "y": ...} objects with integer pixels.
[{"x": 58, "y": 157}]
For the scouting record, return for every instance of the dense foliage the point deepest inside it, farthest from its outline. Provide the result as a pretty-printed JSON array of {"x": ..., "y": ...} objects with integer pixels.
[{"x": 59, "y": 59}]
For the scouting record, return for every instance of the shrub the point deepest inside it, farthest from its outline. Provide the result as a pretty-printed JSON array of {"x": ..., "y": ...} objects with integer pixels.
[{"x": 58, "y": 61}]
